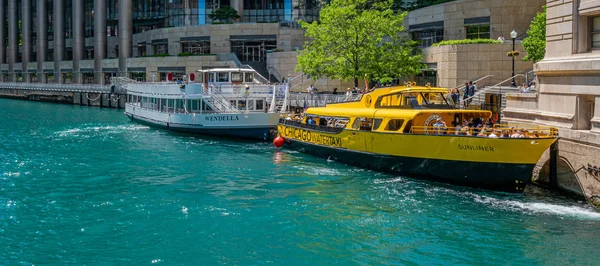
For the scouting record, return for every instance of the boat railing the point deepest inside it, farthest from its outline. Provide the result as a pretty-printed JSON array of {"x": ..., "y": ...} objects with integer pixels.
[
  {"x": 253, "y": 90},
  {"x": 541, "y": 130},
  {"x": 529, "y": 131},
  {"x": 219, "y": 102}
]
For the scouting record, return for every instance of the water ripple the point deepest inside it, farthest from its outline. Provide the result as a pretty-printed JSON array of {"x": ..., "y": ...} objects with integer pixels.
[{"x": 86, "y": 186}]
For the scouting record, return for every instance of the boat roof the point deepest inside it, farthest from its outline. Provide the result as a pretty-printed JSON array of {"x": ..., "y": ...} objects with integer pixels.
[
  {"x": 418, "y": 89},
  {"x": 227, "y": 70},
  {"x": 365, "y": 107},
  {"x": 387, "y": 113}
]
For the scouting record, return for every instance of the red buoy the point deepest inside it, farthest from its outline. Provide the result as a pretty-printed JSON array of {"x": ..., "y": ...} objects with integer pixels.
[{"x": 278, "y": 141}]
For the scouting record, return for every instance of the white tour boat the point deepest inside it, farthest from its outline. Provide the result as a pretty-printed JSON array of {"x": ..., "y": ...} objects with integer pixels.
[{"x": 224, "y": 102}]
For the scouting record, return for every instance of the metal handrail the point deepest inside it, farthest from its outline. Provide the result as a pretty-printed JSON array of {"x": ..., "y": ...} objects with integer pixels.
[
  {"x": 541, "y": 131},
  {"x": 239, "y": 64},
  {"x": 219, "y": 99},
  {"x": 488, "y": 88},
  {"x": 94, "y": 88}
]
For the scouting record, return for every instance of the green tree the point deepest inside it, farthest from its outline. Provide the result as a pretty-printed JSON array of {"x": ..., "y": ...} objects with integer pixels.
[
  {"x": 355, "y": 38},
  {"x": 535, "y": 43},
  {"x": 224, "y": 14}
]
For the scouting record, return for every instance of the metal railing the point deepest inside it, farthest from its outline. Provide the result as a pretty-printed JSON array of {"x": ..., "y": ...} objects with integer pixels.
[
  {"x": 486, "y": 89},
  {"x": 527, "y": 131},
  {"x": 218, "y": 102},
  {"x": 298, "y": 99},
  {"x": 92, "y": 88}
]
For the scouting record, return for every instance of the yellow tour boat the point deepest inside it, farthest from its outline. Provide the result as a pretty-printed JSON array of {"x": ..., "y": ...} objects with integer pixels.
[{"x": 417, "y": 131}]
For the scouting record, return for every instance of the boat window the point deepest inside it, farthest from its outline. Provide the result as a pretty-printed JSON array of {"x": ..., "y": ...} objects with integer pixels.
[
  {"x": 394, "y": 124},
  {"x": 171, "y": 104},
  {"x": 259, "y": 104},
  {"x": 340, "y": 122},
  {"x": 408, "y": 126},
  {"x": 163, "y": 105},
  {"x": 377, "y": 123},
  {"x": 362, "y": 123},
  {"x": 251, "y": 105},
  {"x": 248, "y": 77},
  {"x": 232, "y": 103},
  {"x": 241, "y": 105},
  {"x": 356, "y": 124},
  {"x": 413, "y": 100},
  {"x": 223, "y": 77},
  {"x": 236, "y": 77},
  {"x": 212, "y": 77}
]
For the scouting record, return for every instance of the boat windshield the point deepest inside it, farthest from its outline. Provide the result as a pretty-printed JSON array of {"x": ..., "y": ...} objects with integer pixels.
[{"x": 413, "y": 100}]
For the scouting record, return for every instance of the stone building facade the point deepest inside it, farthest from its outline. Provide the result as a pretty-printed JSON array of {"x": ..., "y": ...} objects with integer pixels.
[
  {"x": 472, "y": 19},
  {"x": 569, "y": 94},
  {"x": 79, "y": 41}
]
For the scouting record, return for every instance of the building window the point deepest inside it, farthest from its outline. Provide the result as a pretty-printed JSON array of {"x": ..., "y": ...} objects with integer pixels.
[
  {"x": 596, "y": 33},
  {"x": 253, "y": 50},
  {"x": 196, "y": 47},
  {"x": 478, "y": 31},
  {"x": 428, "y": 38},
  {"x": 161, "y": 48}
]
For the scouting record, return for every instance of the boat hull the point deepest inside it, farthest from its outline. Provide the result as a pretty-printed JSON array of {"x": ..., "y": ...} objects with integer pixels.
[
  {"x": 246, "y": 126},
  {"x": 492, "y": 176},
  {"x": 495, "y": 164}
]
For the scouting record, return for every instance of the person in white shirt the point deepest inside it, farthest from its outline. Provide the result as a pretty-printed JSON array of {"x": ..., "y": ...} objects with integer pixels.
[
  {"x": 501, "y": 38},
  {"x": 493, "y": 135}
]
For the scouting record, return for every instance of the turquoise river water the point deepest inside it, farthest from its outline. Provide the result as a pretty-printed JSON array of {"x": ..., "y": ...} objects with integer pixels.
[{"x": 84, "y": 185}]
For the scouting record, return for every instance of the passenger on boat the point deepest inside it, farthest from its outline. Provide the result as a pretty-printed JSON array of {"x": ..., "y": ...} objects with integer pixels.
[
  {"x": 493, "y": 134},
  {"x": 289, "y": 117},
  {"x": 517, "y": 134},
  {"x": 311, "y": 121},
  {"x": 365, "y": 123},
  {"x": 440, "y": 127},
  {"x": 482, "y": 133},
  {"x": 322, "y": 122},
  {"x": 465, "y": 131}
]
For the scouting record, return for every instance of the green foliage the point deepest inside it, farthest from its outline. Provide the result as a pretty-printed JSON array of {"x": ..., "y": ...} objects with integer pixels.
[
  {"x": 355, "y": 38},
  {"x": 468, "y": 41},
  {"x": 535, "y": 43},
  {"x": 224, "y": 14},
  {"x": 160, "y": 55}
]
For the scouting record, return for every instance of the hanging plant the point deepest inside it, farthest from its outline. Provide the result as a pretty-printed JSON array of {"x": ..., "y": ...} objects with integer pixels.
[{"x": 512, "y": 53}]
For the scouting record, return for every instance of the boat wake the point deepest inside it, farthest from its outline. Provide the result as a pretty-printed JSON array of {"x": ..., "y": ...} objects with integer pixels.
[
  {"x": 86, "y": 130},
  {"x": 572, "y": 210},
  {"x": 543, "y": 208}
]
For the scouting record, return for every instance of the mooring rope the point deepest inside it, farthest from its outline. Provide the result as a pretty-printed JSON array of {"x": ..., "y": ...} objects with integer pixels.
[
  {"x": 87, "y": 95},
  {"x": 116, "y": 98}
]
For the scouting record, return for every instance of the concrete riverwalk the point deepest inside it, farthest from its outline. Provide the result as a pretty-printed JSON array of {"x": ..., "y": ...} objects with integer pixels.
[{"x": 110, "y": 96}]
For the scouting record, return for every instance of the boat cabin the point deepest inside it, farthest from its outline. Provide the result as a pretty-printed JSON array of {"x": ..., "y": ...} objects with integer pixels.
[
  {"x": 227, "y": 76},
  {"x": 410, "y": 110}
]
